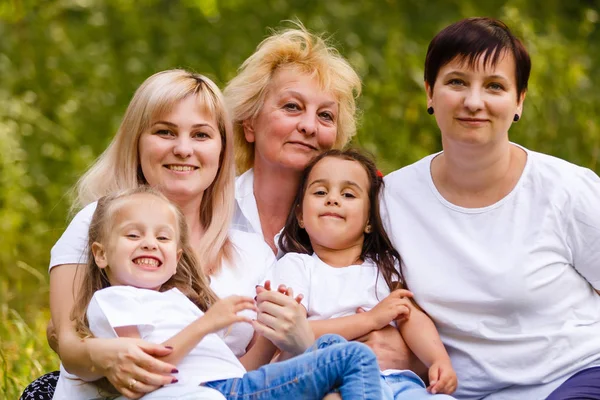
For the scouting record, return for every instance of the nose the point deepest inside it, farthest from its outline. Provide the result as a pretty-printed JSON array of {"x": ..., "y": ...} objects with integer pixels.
[
  {"x": 149, "y": 243},
  {"x": 182, "y": 147},
  {"x": 332, "y": 199},
  {"x": 308, "y": 124},
  {"x": 473, "y": 100}
]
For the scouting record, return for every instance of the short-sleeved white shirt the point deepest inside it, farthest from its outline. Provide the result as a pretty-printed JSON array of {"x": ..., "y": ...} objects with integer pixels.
[
  {"x": 246, "y": 217},
  {"x": 252, "y": 259},
  {"x": 509, "y": 286},
  {"x": 158, "y": 317},
  {"x": 331, "y": 292}
]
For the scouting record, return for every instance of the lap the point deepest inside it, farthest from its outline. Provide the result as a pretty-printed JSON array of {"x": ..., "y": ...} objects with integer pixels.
[{"x": 584, "y": 385}]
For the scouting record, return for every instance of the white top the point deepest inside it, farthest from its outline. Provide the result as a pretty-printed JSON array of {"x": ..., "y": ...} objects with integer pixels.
[
  {"x": 331, "y": 292},
  {"x": 158, "y": 316},
  {"x": 245, "y": 217},
  {"x": 252, "y": 260},
  {"x": 507, "y": 285}
]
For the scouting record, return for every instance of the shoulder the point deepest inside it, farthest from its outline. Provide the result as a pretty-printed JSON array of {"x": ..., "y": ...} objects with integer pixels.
[
  {"x": 413, "y": 173},
  {"x": 305, "y": 261},
  {"x": 244, "y": 184}
]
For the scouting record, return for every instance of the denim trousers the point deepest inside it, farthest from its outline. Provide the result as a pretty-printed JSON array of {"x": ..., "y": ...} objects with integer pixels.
[
  {"x": 332, "y": 363},
  {"x": 406, "y": 385}
]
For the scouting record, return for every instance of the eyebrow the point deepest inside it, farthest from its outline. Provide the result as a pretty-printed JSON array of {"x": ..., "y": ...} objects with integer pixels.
[
  {"x": 203, "y": 125},
  {"x": 462, "y": 74},
  {"x": 298, "y": 94},
  {"x": 138, "y": 225},
  {"x": 344, "y": 183}
]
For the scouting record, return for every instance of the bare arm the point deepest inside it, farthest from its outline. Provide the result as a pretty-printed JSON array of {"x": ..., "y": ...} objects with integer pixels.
[
  {"x": 422, "y": 337},
  {"x": 93, "y": 358},
  {"x": 261, "y": 353}
]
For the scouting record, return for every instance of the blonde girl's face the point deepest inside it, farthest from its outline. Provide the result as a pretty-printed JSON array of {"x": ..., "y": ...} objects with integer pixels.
[
  {"x": 180, "y": 152},
  {"x": 142, "y": 247},
  {"x": 335, "y": 208}
]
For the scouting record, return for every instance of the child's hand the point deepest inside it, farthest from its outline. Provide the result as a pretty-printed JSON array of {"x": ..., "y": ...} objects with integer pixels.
[
  {"x": 395, "y": 306},
  {"x": 224, "y": 312},
  {"x": 281, "y": 289},
  {"x": 442, "y": 378}
]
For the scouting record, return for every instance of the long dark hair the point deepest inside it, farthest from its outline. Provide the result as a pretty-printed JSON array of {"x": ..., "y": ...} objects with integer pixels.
[{"x": 376, "y": 246}]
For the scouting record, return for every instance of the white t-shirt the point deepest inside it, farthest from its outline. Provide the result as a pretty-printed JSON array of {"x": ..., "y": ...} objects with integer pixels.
[
  {"x": 509, "y": 286},
  {"x": 245, "y": 217},
  {"x": 158, "y": 316},
  {"x": 253, "y": 258},
  {"x": 331, "y": 292}
]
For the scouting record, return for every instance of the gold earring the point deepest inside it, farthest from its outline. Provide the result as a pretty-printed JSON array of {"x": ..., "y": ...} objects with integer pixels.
[
  {"x": 301, "y": 224},
  {"x": 368, "y": 229}
]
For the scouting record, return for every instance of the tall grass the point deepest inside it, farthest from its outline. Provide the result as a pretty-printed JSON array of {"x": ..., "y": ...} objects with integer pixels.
[{"x": 24, "y": 352}]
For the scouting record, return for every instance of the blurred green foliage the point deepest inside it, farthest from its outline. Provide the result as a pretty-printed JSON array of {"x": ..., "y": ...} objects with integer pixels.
[{"x": 69, "y": 67}]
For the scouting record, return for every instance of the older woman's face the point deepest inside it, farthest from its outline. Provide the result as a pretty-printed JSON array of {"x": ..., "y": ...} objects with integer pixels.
[
  {"x": 297, "y": 121},
  {"x": 180, "y": 151},
  {"x": 475, "y": 106}
]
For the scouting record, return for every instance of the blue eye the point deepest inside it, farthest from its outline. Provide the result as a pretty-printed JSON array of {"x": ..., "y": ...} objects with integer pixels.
[{"x": 496, "y": 86}]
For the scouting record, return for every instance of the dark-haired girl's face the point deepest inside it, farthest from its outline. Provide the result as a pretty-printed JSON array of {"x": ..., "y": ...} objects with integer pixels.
[
  {"x": 335, "y": 208},
  {"x": 475, "y": 106}
]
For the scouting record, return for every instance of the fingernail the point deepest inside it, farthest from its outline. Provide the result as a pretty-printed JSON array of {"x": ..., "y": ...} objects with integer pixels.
[
  {"x": 255, "y": 297},
  {"x": 169, "y": 347},
  {"x": 174, "y": 371},
  {"x": 174, "y": 380}
]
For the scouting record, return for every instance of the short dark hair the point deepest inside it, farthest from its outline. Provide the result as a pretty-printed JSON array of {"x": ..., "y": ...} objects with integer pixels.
[
  {"x": 376, "y": 246},
  {"x": 471, "y": 38}
]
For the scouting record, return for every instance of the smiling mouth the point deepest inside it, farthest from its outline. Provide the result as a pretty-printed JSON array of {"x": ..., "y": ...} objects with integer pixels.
[
  {"x": 147, "y": 262},
  {"x": 332, "y": 215},
  {"x": 181, "y": 168},
  {"x": 308, "y": 146}
]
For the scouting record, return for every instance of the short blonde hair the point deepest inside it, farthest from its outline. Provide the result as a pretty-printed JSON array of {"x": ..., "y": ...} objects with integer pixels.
[
  {"x": 118, "y": 168},
  {"x": 302, "y": 51}
]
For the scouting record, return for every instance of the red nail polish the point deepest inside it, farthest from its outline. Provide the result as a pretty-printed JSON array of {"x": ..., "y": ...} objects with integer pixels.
[
  {"x": 174, "y": 371},
  {"x": 174, "y": 380}
]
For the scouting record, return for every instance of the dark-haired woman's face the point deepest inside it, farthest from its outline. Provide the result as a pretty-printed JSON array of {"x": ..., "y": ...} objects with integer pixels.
[{"x": 475, "y": 105}]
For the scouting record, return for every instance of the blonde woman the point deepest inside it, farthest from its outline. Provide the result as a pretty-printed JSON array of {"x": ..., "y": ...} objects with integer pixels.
[
  {"x": 175, "y": 136},
  {"x": 292, "y": 99}
]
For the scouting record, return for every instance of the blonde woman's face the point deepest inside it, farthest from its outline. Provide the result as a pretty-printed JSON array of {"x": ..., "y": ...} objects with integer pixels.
[
  {"x": 297, "y": 121},
  {"x": 179, "y": 153}
]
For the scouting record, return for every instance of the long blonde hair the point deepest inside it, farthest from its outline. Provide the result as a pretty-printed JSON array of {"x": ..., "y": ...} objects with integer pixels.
[
  {"x": 118, "y": 168},
  {"x": 306, "y": 53},
  {"x": 188, "y": 277}
]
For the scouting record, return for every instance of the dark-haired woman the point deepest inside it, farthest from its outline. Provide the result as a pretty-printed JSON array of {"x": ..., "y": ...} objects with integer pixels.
[{"x": 500, "y": 244}]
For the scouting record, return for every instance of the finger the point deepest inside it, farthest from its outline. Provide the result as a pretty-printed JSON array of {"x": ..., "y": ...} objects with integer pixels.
[
  {"x": 289, "y": 292},
  {"x": 129, "y": 394},
  {"x": 260, "y": 289},
  {"x": 155, "y": 350},
  {"x": 147, "y": 378},
  {"x": 146, "y": 360},
  {"x": 401, "y": 293},
  {"x": 281, "y": 288},
  {"x": 268, "y": 320},
  {"x": 274, "y": 297},
  {"x": 265, "y": 331},
  {"x": 267, "y": 285},
  {"x": 245, "y": 305},
  {"x": 299, "y": 298}
]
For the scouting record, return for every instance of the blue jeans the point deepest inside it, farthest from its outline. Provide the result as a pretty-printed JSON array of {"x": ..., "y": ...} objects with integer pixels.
[
  {"x": 331, "y": 363},
  {"x": 406, "y": 385}
]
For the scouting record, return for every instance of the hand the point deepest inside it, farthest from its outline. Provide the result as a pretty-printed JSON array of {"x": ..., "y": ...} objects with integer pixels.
[
  {"x": 442, "y": 378},
  {"x": 391, "y": 350},
  {"x": 130, "y": 365},
  {"x": 396, "y": 306},
  {"x": 224, "y": 312},
  {"x": 282, "y": 319}
]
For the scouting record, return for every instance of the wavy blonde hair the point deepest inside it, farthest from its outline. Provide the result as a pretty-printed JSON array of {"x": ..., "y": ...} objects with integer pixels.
[
  {"x": 301, "y": 51},
  {"x": 118, "y": 168},
  {"x": 188, "y": 277}
]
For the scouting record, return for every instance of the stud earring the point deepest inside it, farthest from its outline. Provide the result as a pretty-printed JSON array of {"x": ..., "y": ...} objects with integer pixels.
[
  {"x": 430, "y": 111},
  {"x": 301, "y": 224},
  {"x": 368, "y": 229},
  {"x": 516, "y": 118}
]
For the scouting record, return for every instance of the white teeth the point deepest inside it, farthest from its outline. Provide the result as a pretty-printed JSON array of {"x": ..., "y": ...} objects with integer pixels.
[
  {"x": 181, "y": 168},
  {"x": 146, "y": 261}
]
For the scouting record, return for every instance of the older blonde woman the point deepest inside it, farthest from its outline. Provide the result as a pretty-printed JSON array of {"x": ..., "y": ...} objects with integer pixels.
[{"x": 176, "y": 136}]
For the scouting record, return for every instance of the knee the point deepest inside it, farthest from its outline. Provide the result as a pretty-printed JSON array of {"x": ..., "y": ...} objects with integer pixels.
[{"x": 328, "y": 340}]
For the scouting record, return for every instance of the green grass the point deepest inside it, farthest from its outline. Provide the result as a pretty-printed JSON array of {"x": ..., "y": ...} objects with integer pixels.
[{"x": 24, "y": 352}]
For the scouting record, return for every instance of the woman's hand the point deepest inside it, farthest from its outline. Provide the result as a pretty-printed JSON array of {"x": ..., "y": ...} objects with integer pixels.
[
  {"x": 224, "y": 312},
  {"x": 282, "y": 319},
  {"x": 396, "y": 306},
  {"x": 131, "y": 365},
  {"x": 442, "y": 378}
]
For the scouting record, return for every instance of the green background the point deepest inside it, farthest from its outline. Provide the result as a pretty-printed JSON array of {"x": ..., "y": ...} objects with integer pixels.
[{"x": 68, "y": 69}]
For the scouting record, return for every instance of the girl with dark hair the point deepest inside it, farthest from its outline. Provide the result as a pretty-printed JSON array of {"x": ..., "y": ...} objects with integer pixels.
[{"x": 340, "y": 258}]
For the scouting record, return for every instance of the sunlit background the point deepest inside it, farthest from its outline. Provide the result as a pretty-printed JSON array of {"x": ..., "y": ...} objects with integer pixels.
[{"x": 68, "y": 69}]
